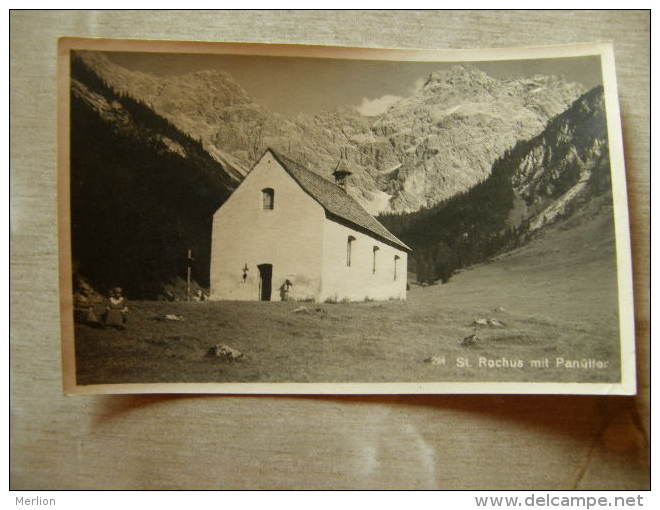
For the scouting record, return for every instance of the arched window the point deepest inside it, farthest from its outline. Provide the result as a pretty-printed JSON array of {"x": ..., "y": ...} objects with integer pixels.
[
  {"x": 396, "y": 259},
  {"x": 268, "y": 198},
  {"x": 373, "y": 268},
  {"x": 349, "y": 247}
]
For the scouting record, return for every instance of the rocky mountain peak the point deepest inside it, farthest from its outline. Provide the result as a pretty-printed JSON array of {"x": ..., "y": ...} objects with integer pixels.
[
  {"x": 458, "y": 75},
  {"x": 219, "y": 86},
  {"x": 566, "y": 165},
  {"x": 425, "y": 148}
]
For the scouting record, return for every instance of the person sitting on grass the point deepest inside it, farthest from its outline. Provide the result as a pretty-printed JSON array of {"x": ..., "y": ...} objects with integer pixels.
[
  {"x": 199, "y": 296},
  {"x": 116, "y": 314},
  {"x": 83, "y": 307}
]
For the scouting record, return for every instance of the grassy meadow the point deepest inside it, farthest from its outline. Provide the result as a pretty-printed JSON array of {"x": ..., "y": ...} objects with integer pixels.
[{"x": 556, "y": 298}]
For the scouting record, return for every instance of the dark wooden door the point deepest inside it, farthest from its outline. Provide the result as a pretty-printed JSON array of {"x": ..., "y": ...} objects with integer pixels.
[{"x": 265, "y": 281}]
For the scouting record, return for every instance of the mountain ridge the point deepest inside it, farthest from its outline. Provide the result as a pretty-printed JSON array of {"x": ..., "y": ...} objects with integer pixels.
[
  {"x": 425, "y": 148},
  {"x": 557, "y": 175}
]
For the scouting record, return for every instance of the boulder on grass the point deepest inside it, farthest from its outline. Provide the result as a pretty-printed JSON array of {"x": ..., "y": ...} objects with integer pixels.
[
  {"x": 469, "y": 340},
  {"x": 488, "y": 322},
  {"x": 495, "y": 323},
  {"x": 226, "y": 353},
  {"x": 168, "y": 317}
]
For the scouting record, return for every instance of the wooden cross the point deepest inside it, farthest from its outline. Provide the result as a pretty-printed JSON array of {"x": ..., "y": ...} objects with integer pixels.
[{"x": 189, "y": 271}]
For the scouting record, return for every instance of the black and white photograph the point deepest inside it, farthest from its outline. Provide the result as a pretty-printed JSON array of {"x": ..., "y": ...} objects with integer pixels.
[{"x": 245, "y": 218}]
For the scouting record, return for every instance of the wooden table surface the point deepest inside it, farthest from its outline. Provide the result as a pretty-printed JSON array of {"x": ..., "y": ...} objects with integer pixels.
[{"x": 218, "y": 442}]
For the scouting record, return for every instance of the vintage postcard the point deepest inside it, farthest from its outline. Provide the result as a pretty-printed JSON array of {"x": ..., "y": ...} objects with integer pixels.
[{"x": 245, "y": 218}]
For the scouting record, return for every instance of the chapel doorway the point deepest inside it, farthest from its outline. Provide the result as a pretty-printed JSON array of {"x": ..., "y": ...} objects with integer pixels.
[{"x": 265, "y": 281}]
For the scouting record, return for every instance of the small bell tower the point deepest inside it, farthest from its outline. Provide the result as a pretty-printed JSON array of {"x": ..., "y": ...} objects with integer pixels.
[{"x": 341, "y": 172}]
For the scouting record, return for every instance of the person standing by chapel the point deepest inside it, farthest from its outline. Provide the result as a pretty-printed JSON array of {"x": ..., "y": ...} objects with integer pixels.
[{"x": 285, "y": 289}]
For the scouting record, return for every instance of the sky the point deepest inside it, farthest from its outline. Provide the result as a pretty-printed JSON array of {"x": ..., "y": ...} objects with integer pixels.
[{"x": 293, "y": 85}]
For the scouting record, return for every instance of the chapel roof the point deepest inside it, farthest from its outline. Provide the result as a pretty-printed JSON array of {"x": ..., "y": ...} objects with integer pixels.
[{"x": 336, "y": 201}]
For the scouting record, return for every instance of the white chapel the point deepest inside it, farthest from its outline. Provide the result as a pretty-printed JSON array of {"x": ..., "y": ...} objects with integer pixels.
[{"x": 287, "y": 233}]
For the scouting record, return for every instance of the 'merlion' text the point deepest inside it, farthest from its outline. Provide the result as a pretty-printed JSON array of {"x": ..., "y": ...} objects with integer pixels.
[{"x": 38, "y": 501}]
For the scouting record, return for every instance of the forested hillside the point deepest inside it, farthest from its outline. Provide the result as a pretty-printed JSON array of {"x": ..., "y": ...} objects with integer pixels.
[
  {"x": 535, "y": 183},
  {"x": 142, "y": 192},
  {"x": 461, "y": 231}
]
